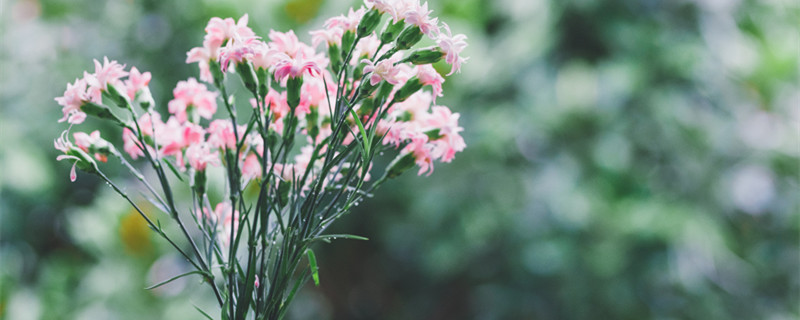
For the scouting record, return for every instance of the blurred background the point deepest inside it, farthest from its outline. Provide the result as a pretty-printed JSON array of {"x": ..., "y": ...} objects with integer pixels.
[{"x": 625, "y": 160}]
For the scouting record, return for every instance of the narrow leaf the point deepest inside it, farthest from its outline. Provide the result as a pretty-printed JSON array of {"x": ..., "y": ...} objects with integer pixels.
[
  {"x": 364, "y": 138},
  {"x": 312, "y": 261},
  {"x": 172, "y": 168},
  {"x": 202, "y": 312},
  {"x": 173, "y": 279},
  {"x": 329, "y": 237}
]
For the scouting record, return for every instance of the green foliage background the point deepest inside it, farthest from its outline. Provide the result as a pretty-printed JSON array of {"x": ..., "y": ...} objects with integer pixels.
[{"x": 625, "y": 160}]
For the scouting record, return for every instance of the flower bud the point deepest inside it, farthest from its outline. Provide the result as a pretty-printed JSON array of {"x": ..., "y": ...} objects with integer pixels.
[
  {"x": 248, "y": 76},
  {"x": 216, "y": 73},
  {"x": 368, "y": 23},
  {"x": 403, "y": 162},
  {"x": 412, "y": 85},
  {"x": 293, "y": 85},
  {"x": 113, "y": 94},
  {"x": 335, "y": 56},
  {"x": 311, "y": 123},
  {"x": 283, "y": 192},
  {"x": 263, "y": 78},
  {"x": 144, "y": 99},
  {"x": 347, "y": 41},
  {"x": 198, "y": 182},
  {"x": 424, "y": 56},
  {"x": 409, "y": 37},
  {"x": 391, "y": 31}
]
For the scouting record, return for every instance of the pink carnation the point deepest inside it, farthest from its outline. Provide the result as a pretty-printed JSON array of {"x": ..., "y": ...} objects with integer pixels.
[
  {"x": 136, "y": 82},
  {"x": 72, "y": 100},
  {"x": 349, "y": 22},
  {"x": 427, "y": 75},
  {"x": 200, "y": 155},
  {"x": 295, "y": 68},
  {"x": 452, "y": 46},
  {"x": 191, "y": 95},
  {"x": 422, "y": 153},
  {"x": 385, "y": 70},
  {"x": 109, "y": 72},
  {"x": 221, "y": 135},
  {"x": 419, "y": 15},
  {"x": 86, "y": 141}
]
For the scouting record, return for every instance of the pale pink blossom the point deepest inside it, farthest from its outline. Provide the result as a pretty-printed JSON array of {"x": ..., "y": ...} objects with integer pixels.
[
  {"x": 446, "y": 122},
  {"x": 131, "y": 144},
  {"x": 200, "y": 155},
  {"x": 295, "y": 68},
  {"x": 419, "y": 15},
  {"x": 383, "y": 6},
  {"x": 63, "y": 145},
  {"x": 328, "y": 36},
  {"x": 237, "y": 51},
  {"x": 88, "y": 141},
  {"x": 171, "y": 137},
  {"x": 421, "y": 150},
  {"x": 452, "y": 47},
  {"x": 221, "y": 134},
  {"x": 72, "y": 100},
  {"x": 384, "y": 70},
  {"x": 265, "y": 57},
  {"x": 251, "y": 167},
  {"x": 367, "y": 46},
  {"x": 202, "y": 56},
  {"x": 136, "y": 82},
  {"x": 427, "y": 75},
  {"x": 289, "y": 44},
  {"x": 192, "y": 96},
  {"x": 347, "y": 22},
  {"x": 109, "y": 72},
  {"x": 225, "y": 219},
  {"x": 220, "y": 30}
]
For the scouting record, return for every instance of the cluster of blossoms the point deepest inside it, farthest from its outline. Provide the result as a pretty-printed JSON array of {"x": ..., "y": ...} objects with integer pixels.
[{"x": 354, "y": 88}]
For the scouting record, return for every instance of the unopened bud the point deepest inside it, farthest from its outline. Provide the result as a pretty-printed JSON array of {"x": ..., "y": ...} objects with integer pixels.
[
  {"x": 293, "y": 85},
  {"x": 403, "y": 162},
  {"x": 347, "y": 41},
  {"x": 216, "y": 73},
  {"x": 113, "y": 94},
  {"x": 248, "y": 76},
  {"x": 409, "y": 37},
  {"x": 368, "y": 23},
  {"x": 335, "y": 56},
  {"x": 412, "y": 85},
  {"x": 424, "y": 56},
  {"x": 391, "y": 31}
]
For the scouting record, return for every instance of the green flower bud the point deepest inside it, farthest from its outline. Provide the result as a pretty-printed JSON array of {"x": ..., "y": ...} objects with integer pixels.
[
  {"x": 335, "y": 55},
  {"x": 368, "y": 23},
  {"x": 216, "y": 73},
  {"x": 113, "y": 94},
  {"x": 403, "y": 162},
  {"x": 391, "y": 31},
  {"x": 347, "y": 41},
  {"x": 263, "y": 79},
  {"x": 293, "y": 86},
  {"x": 424, "y": 56},
  {"x": 412, "y": 85},
  {"x": 248, "y": 76},
  {"x": 409, "y": 37}
]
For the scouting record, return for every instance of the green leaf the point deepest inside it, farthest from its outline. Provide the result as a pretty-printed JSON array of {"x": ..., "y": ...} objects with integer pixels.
[
  {"x": 312, "y": 261},
  {"x": 364, "y": 138},
  {"x": 172, "y": 168},
  {"x": 173, "y": 279},
  {"x": 202, "y": 312},
  {"x": 329, "y": 237}
]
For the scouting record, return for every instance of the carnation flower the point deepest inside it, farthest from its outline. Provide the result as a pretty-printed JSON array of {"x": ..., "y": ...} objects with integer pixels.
[{"x": 452, "y": 47}]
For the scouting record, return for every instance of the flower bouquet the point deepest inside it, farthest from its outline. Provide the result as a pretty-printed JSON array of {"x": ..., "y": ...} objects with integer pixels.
[{"x": 300, "y": 156}]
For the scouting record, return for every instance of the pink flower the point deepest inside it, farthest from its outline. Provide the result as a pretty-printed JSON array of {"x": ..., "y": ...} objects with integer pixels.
[
  {"x": 202, "y": 56},
  {"x": 328, "y": 35},
  {"x": 237, "y": 51},
  {"x": 265, "y": 57},
  {"x": 199, "y": 156},
  {"x": 421, "y": 150},
  {"x": 109, "y": 72},
  {"x": 137, "y": 81},
  {"x": 219, "y": 30},
  {"x": 452, "y": 47},
  {"x": 229, "y": 220},
  {"x": 348, "y": 22},
  {"x": 63, "y": 145},
  {"x": 192, "y": 96},
  {"x": 295, "y": 68},
  {"x": 221, "y": 135},
  {"x": 385, "y": 70},
  {"x": 72, "y": 100},
  {"x": 87, "y": 141},
  {"x": 131, "y": 144},
  {"x": 290, "y": 45},
  {"x": 367, "y": 46},
  {"x": 251, "y": 168},
  {"x": 419, "y": 16},
  {"x": 427, "y": 75},
  {"x": 446, "y": 122}
]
